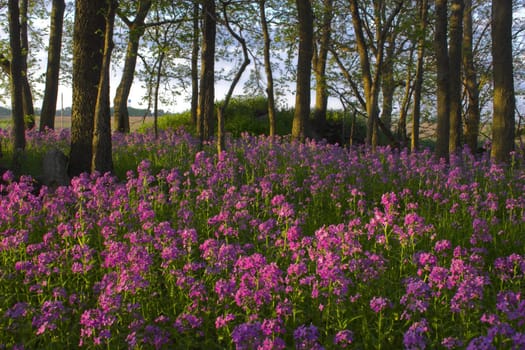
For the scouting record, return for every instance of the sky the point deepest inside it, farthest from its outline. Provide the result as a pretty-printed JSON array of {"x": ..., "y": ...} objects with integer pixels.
[{"x": 137, "y": 93}]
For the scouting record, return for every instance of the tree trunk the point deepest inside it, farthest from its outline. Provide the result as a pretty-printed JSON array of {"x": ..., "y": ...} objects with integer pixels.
[
  {"x": 319, "y": 65},
  {"x": 47, "y": 115},
  {"x": 88, "y": 44},
  {"x": 471, "y": 82},
  {"x": 304, "y": 67},
  {"x": 456, "y": 34},
  {"x": 246, "y": 62},
  {"x": 365, "y": 70},
  {"x": 442, "y": 62},
  {"x": 372, "y": 84},
  {"x": 195, "y": 64},
  {"x": 403, "y": 113},
  {"x": 418, "y": 80},
  {"x": 388, "y": 86},
  {"x": 268, "y": 68},
  {"x": 27, "y": 95},
  {"x": 207, "y": 89},
  {"x": 503, "y": 124},
  {"x": 17, "y": 111},
  {"x": 102, "y": 153},
  {"x": 156, "y": 95},
  {"x": 120, "y": 102}
]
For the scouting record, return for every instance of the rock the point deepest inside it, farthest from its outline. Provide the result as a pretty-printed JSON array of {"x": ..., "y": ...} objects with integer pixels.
[{"x": 54, "y": 168}]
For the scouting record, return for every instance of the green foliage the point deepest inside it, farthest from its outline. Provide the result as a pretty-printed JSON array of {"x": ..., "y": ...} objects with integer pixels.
[
  {"x": 248, "y": 114},
  {"x": 37, "y": 146},
  {"x": 243, "y": 115},
  {"x": 170, "y": 121}
]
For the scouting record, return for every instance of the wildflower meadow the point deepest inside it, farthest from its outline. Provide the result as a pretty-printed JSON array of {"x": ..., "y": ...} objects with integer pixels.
[{"x": 272, "y": 244}]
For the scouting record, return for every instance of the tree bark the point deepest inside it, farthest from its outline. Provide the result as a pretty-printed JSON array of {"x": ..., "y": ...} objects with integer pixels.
[
  {"x": 304, "y": 67},
  {"x": 372, "y": 83},
  {"x": 471, "y": 82},
  {"x": 27, "y": 95},
  {"x": 388, "y": 86},
  {"x": 102, "y": 153},
  {"x": 120, "y": 102},
  {"x": 88, "y": 44},
  {"x": 15, "y": 68},
  {"x": 207, "y": 80},
  {"x": 456, "y": 34},
  {"x": 268, "y": 69},
  {"x": 47, "y": 115},
  {"x": 371, "y": 107},
  {"x": 195, "y": 64},
  {"x": 418, "y": 80},
  {"x": 319, "y": 65},
  {"x": 442, "y": 62},
  {"x": 503, "y": 125},
  {"x": 162, "y": 55},
  {"x": 403, "y": 113}
]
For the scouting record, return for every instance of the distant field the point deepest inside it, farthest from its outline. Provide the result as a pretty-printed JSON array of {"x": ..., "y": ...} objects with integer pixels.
[{"x": 65, "y": 122}]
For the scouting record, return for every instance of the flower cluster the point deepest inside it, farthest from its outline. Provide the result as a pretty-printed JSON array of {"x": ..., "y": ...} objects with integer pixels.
[{"x": 273, "y": 244}]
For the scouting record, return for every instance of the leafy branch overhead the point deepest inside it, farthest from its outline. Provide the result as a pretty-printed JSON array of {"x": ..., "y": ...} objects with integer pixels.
[{"x": 400, "y": 64}]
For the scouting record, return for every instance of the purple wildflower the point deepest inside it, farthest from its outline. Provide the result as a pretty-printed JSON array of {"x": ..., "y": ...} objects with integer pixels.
[
  {"x": 306, "y": 338},
  {"x": 451, "y": 343},
  {"x": 275, "y": 343},
  {"x": 414, "y": 338},
  {"x": 271, "y": 327},
  {"x": 513, "y": 305},
  {"x": 18, "y": 310},
  {"x": 247, "y": 336},
  {"x": 417, "y": 296},
  {"x": 222, "y": 321},
  {"x": 344, "y": 338},
  {"x": 442, "y": 245},
  {"x": 50, "y": 313},
  {"x": 481, "y": 343},
  {"x": 378, "y": 304}
]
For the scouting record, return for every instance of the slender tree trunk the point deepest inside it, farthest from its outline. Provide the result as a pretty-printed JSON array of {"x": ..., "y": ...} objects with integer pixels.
[
  {"x": 403, "y": 114},
  {"x": 372, "y": 84},
  {"x": 27, "y": 95},
  {"x": 388, "y": 86},
  {"x": 442, "y": 61},
  {"x": 456, "y": 34},
  {"x": 365, "y": 70},
  {"x": 88, "y": 45},
  {"x": 15, "y": 68},
  {"x": 304, "y": 67},
  {"x": 268, "y": 68},
  {"x": 102, "y": 153},
  {"x": 246, "y": 62},
  {"x": 503, "y": 125},
  {"x": 47, "y": 115},
  {"x": 156, "y": 97},
  {"x": 207, "y": 90},
  {"x": 195, "y": 64},
  {"x": 136, "y": 30},
  {"x": 319, "y": 66},
  {"x": 418, "y": 80},
  {"x": 471, "y": 82}
]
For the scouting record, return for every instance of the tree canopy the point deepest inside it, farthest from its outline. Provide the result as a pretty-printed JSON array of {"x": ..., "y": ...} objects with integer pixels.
[{"x": 397, "y": 63}]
